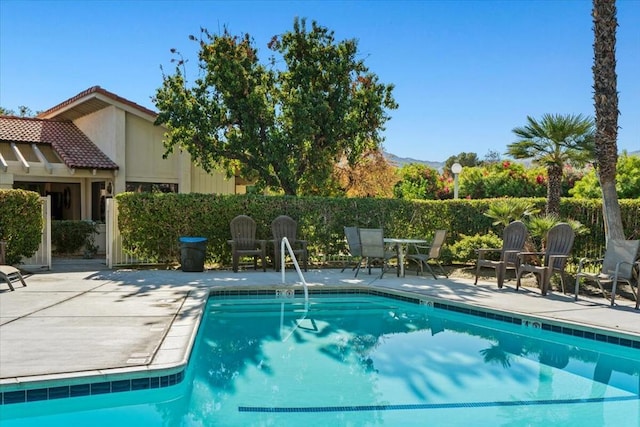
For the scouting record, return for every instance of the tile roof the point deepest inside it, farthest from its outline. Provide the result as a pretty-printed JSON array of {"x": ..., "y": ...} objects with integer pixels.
[
  {"x": 74, "y": 148},
  {"x": 87, "y": 97}
]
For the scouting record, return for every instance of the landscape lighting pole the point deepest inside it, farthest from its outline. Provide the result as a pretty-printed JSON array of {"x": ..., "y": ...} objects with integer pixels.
[{"x": 456, "y": 168}]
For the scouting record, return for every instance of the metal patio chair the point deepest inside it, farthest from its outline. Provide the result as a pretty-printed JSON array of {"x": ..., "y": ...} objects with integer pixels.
[
  {"x": 620, "y": 264},
  {"x": 423, "y": 254},
  {"x": 355, "y": 250},
  {"x": 374, "y": 250}
]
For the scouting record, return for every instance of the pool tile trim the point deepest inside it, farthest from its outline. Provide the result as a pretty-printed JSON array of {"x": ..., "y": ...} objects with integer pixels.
[{"x": 90, "y": 389}]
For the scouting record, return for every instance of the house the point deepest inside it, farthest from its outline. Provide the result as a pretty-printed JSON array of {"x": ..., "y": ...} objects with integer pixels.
[{"x": 92, "y": 146}]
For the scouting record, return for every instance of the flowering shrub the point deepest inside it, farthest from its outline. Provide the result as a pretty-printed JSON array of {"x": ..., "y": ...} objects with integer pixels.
[{"x": 418, "y": 181}]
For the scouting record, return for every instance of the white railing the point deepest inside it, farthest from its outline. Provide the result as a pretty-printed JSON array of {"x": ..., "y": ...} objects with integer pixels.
[
  {"x": 41, "y": 260},
  {"x": 286, "y": 245}
]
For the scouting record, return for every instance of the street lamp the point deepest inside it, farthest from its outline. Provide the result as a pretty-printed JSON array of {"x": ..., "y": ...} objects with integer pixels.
[{"x": 456, "y": 168}]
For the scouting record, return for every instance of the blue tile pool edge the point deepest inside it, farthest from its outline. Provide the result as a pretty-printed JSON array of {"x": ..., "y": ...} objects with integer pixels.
[
  {"x": 159, "y": 373},
  {"x": 22, "y": 393}
]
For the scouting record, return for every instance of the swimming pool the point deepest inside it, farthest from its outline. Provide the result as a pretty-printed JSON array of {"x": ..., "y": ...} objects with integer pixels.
[{"x": 359, "y": 360}]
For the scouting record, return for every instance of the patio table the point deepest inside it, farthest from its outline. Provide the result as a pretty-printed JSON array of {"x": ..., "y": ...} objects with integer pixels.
[{"x": 400, "y": 245}]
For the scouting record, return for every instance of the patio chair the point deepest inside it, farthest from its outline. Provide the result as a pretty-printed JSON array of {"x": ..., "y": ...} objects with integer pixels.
[
  {"x": 514, "y": 237},
  {"x": 423, "y": 254},
  {"x": 620, "y": 264},
  {"x": 355, "y": 250},
  {"x": 374, "y": 250},
  {"x": 244, "y": 243},
  {"x": 559, "y": 243},
  {"x": 285, "y": 226},
  {"x": 8, "y": 273}
]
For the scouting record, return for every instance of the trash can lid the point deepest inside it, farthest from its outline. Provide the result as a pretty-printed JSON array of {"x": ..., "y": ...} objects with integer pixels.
[{"x": 192, "y": 239}]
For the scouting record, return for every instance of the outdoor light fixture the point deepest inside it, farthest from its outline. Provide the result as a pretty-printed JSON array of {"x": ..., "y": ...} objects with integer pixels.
[{"x": 456, "y": 168}]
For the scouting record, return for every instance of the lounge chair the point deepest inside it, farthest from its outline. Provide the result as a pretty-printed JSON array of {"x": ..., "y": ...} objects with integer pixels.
[
  {"x": 423, "y": 254},
  {"x": 559, "y": 243},
  {"x": 374, "y": 250},
  {"x": 8, "y": 273},
  {"x": 514, "y": 237},
  {"x": 620, "y": 264},
  {"x": 244, "y": 243},
  {"x": 285, "y": 226},
  {"x": 355, "y": 250}
]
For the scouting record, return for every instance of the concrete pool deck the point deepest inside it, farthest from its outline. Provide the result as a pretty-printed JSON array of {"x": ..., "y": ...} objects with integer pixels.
[{"x": 73, "y": 325}]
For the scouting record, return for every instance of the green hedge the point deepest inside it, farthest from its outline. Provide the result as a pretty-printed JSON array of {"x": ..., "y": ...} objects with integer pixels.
[
  {"x": 20, "y": 223},
  {"x": 152, "y": 223},
  {"x": 69, "y": 237}
]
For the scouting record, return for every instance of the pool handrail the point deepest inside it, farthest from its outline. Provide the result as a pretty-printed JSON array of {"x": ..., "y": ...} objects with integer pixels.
[{"x": 285, "y": 244}]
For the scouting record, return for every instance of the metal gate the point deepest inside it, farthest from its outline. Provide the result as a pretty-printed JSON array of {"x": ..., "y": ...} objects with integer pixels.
[{"x": 41, "y": 260}]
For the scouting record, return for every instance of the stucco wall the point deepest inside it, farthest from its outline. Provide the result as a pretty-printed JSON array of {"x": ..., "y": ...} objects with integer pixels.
[
  {"x": 144, "y": 150},
  {"x": 215, "y": 183}
]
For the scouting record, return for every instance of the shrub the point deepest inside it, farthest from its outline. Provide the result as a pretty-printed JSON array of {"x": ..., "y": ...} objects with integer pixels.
[
  {"x": 464, "y": 250},
  {"x": 20, "y": 223},
  {"x": 69, "y": 237}
]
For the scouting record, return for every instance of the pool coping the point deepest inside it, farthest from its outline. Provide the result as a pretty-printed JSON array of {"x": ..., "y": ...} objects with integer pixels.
[{"x": 171, "y": 358}]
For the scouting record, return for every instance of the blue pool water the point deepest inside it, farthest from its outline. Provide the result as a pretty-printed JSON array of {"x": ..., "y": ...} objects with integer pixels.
[{"x": 362, "y": 360}]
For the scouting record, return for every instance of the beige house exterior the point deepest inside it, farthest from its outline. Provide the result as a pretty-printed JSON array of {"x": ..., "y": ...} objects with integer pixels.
[{"x": 92, "y": 146}]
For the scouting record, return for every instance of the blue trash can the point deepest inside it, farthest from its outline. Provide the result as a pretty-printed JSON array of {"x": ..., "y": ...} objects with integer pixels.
[{"x": 193, "y": 251}]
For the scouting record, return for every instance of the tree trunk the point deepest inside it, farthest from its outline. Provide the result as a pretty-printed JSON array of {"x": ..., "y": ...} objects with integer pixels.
[
  {"x": 606, "y": 106},
  {"x": 554, "y": 189}
]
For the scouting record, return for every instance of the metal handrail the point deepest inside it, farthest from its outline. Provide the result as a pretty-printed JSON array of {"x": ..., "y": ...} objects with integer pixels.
[{"x": 285, "y": 244}]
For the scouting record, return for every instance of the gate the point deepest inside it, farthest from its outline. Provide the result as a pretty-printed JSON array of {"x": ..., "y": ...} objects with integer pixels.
[{"x": 41, "y": 260}]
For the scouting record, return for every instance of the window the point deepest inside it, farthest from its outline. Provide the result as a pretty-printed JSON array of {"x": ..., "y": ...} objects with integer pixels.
[{"x": 150, "y": 187}]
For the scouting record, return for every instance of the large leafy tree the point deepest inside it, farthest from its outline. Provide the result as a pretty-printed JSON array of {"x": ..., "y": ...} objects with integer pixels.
[
  {"x": 373, "y": 176},
  {"x": 466, "y": 160},
  {"x": 284, "y": 124},
  {"x": 417, "y": 181},
  {"x": 605, "y": 99},
  {"x": 553, "y": 142}
]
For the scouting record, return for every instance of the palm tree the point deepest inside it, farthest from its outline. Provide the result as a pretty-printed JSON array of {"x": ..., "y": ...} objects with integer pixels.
[
  {"x": 554, "y": 141},
  {"x": 605, "y": 99}
]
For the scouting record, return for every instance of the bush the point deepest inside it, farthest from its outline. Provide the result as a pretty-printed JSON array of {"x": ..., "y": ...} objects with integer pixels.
[
  {"x": 464, "y": 250},
  {"x": 20, "y": 223},
  {"x": 152, "y": 223},
  {"x": 69, "y": 237}
]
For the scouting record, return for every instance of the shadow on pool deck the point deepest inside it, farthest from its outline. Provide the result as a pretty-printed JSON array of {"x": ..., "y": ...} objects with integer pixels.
[{"x": 90, "y": 321}]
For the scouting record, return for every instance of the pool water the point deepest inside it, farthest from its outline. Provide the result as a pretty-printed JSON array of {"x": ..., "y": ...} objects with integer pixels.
[{"x": 362, "y": 360}]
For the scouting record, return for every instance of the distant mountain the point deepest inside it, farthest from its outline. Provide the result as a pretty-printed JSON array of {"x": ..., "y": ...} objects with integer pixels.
[{"x": 401, "y": 161}]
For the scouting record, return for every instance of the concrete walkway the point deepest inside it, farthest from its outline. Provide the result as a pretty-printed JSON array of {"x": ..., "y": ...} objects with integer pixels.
[{"x": 75, "y": 325}]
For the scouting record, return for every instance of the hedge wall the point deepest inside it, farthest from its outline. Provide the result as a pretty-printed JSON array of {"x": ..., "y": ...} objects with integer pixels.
[
  {"x": 152, "y": 223},
  {"x": 20, "y": 223}
]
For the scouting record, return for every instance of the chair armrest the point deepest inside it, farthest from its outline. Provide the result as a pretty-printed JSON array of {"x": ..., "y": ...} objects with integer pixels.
[
  {"x": 488, "y": 250},
  {"x": 588, "y": 261},
  {"x": 553, "y": 258},
  {"x": 522, "y": 255},
  {"x": 416, "y": 247},
  {"x": 482, "y": 251}
]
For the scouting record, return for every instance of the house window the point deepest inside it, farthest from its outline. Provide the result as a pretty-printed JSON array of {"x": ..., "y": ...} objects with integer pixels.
[{"x": 151, "y": 187}]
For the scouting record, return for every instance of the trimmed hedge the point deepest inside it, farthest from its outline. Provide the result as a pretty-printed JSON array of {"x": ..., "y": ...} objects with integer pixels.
[
  {"x": 69, "y": 237},
  {"x": 20, "y": 223},
  {"x": 152, "y": 223}
]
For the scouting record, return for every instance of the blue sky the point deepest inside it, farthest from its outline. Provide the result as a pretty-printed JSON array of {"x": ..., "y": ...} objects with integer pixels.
[{"x": 466, "y": 72}]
